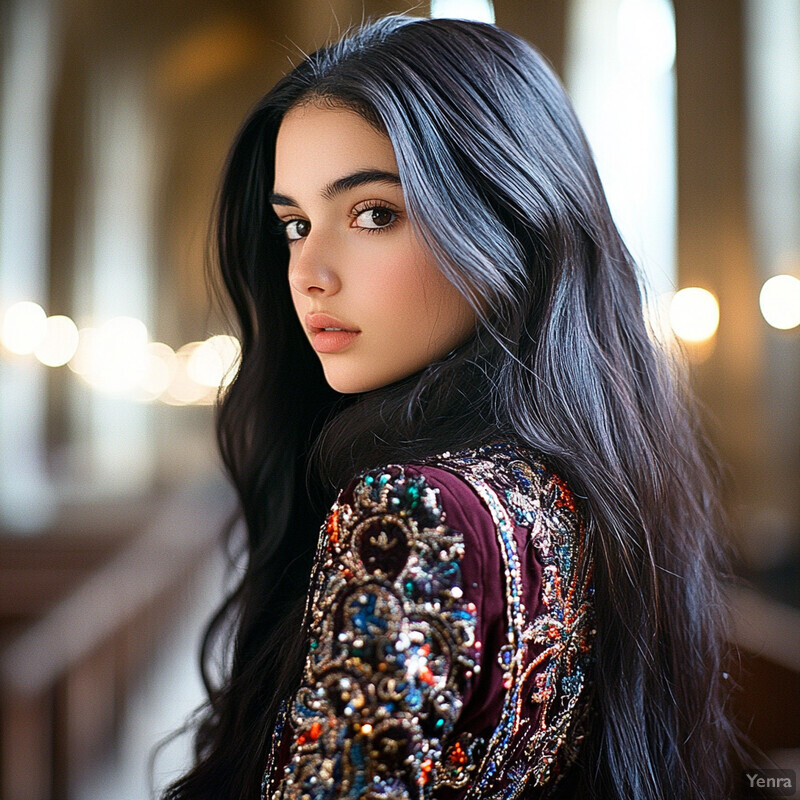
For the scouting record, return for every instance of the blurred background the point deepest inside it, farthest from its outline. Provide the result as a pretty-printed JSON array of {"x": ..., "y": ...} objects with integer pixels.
[{"x": 115, "y": 118}]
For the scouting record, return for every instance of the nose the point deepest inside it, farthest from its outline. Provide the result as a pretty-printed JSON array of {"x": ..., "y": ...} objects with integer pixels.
[{"x": 311, "y": 265}]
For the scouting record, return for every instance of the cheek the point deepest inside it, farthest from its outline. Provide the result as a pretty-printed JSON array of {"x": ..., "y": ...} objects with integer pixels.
[
  {"x": 423, "y": 308},
  {"x": 392, "y": 294}
]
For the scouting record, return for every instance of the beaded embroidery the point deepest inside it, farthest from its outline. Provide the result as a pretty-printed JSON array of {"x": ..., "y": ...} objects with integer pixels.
[
  {"x": 546, "y": 661},
  {"x": 392, "y": 646},
  {"x": 392, "y": 642}
]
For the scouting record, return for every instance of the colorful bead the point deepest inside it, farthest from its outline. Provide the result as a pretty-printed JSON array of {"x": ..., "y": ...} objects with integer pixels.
[{"x": 395, "y": 643}]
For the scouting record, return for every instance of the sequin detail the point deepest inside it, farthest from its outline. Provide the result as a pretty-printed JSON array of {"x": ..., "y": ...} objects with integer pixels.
[
  {"x": 392, "y": 647},
  {"x": 392, "y": 642},
  {"x": 546, "y": 661}
]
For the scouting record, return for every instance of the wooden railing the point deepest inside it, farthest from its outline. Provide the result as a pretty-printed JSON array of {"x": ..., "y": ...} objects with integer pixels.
[{"x": 81, "y": 612}]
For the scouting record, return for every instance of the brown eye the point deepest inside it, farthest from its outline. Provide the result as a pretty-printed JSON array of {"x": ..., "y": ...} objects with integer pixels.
[
  {"x": 376, "y": 217},
  {"x": 296, "y": 229}
]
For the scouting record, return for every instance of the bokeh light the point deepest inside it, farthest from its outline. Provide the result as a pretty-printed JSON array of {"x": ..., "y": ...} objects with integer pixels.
[
  {"x": 183, "y": 389},
  {"x": 162, "y": 364},
  {"x": 24, "y": 326},
  {"x": 213, "y": 363},
  {"x": 780, "y": 301},
  {"x": 80, "y": 363},
  {"x": 60, "y": 341},
  {"x": 694, "y": 314},
  {"x": 113, "y": 358}
]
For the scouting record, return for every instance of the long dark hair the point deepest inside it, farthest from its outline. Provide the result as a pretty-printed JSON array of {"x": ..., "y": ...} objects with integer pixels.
[{"x": 500, "y": 184}]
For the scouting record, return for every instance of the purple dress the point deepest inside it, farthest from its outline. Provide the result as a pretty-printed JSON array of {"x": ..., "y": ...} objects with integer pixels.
[{"x": 450, "y": 636}]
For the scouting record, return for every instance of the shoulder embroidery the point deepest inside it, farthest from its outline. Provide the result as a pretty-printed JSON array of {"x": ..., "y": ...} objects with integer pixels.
[
  {"x": 393, "y": 580},
  {"x": 392, "y": 649},
  {"x": 546, "y": 660}
]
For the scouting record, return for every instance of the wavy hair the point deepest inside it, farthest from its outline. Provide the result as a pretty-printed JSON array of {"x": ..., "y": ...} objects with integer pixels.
[{"x": 562, "y": 359}]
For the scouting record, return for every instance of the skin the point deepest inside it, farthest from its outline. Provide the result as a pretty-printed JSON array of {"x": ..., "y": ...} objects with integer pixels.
[{"x": 362, "y": 265}]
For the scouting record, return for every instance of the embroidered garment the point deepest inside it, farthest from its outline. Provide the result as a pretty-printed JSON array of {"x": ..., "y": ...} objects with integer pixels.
[{"x": 450, "y": 636}]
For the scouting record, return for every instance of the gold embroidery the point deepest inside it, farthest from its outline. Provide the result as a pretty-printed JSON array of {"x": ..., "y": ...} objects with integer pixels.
[
  {"x": 392, "y": 647},
  {"x": 393, "y": 643}
]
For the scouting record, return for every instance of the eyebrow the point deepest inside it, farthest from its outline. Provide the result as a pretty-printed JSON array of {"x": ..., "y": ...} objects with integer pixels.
[{"x": 344, "y": 184}]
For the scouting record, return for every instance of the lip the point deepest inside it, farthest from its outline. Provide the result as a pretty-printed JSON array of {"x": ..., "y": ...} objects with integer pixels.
[
  {"x": 317, "y": 321},
  {"x": 329, "y": 341}
]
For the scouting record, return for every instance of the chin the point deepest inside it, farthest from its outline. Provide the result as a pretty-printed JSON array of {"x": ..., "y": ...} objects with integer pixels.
[
  {"x": 354, "y": 384},
  {"x": 344, "y": 388},
  {"x": 346, "y": 385}
]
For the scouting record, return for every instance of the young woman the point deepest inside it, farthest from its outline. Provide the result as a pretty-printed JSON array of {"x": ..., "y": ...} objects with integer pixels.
[{"x": 515, "y": 591}]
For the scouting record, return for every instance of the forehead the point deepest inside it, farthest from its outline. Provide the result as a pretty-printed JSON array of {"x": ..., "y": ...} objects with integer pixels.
[{"x": 320, "y": 142}]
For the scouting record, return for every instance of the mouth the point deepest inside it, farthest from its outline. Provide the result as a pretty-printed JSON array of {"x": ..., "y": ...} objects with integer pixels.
[
  {"x": 325, "y": 340},
  {"x": 318, "y": 322},
  {"x": 315, "y": 330}
]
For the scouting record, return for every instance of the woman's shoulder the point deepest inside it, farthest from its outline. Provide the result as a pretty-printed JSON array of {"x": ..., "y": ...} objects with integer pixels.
[
  {"x": 501, "y": 480},
  {"x": 511, "y": 533},
  {"x": 446, "y": 629}
]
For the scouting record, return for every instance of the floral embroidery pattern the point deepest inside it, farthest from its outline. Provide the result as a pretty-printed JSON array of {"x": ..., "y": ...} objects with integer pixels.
[
  {"x": 393, "y": 647},
  {"x": 547, "y": 660}
]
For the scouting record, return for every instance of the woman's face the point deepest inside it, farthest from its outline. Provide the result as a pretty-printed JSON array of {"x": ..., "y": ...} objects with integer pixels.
[{"x": 354, "y": 256}]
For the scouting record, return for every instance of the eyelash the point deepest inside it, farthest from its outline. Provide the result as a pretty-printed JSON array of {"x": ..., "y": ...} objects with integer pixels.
[{"x": 370, "y": 205}]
